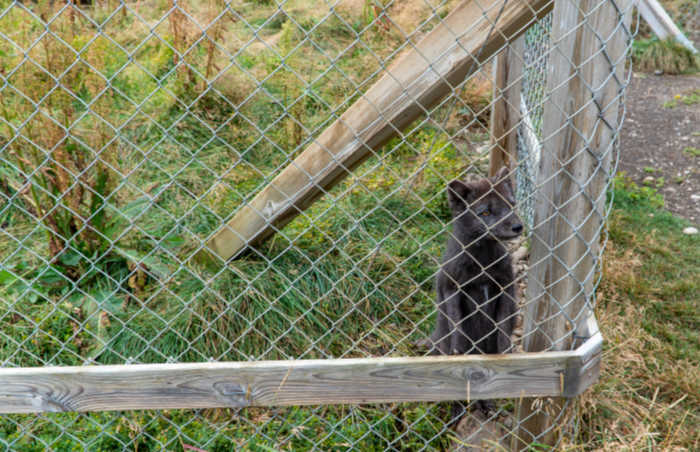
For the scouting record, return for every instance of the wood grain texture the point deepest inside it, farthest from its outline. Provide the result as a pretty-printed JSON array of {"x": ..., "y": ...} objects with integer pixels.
[
  {"x": 304, "y": 382},
  {"x": 581, "y": 119},
  {"x": 505, "y": 109},
  {"x": 417, "y": 81}
]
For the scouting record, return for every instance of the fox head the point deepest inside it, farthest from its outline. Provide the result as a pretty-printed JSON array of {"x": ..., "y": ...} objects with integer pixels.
[{"x": 484, "y": 208}]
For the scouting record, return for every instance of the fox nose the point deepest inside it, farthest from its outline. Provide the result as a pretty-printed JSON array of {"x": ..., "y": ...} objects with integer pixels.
[{"x": 517, "y": 228}]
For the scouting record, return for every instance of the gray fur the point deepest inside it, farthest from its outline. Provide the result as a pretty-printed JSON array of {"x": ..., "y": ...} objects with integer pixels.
[{"x": 475, "y": 284}]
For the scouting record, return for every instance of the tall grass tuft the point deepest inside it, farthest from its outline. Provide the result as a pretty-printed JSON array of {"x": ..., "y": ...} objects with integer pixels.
[
  {"x": 59, "y": 159},
  {"x": 667, "y": 55},
  {"x": 182, "y": 39}
]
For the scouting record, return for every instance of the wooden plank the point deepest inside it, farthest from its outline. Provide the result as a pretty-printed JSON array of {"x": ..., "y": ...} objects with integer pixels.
[
  {"x": 587, "y": 375},
  {"x": 581, "y": 120},
  {"x": 455, "y": 48},
  {"x": 579, "y": 128},
  {"x": 505, "y": 109},
  {"x": 661, "y": 23},
  {"x": 304, "y": 382}
]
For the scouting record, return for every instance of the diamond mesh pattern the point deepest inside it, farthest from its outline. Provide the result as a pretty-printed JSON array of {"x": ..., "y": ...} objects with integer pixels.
[{"x": 130, "y": 131}]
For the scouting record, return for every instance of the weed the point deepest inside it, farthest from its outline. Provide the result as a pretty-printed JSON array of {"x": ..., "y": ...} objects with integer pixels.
[
  {"x": 182, "y": 37},
  {"x": 633, "y": 191},
  {"x": 691, "y": 151},
  {"x": 214, "y": 34},
  {"x": 689, "y": 98},
  {"x": 60, "y": 162}
]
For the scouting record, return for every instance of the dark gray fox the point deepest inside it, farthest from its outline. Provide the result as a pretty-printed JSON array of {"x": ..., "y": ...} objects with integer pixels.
[{"x": 475, "y": 287}]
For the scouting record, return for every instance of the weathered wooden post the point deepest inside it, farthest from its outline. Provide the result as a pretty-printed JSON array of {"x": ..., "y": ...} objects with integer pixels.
[
  {"x": 505, "y": 109},
  {"x": 580, "y": 125}
]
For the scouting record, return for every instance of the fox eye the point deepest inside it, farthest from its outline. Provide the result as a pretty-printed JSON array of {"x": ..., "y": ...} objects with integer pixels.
[{"x": 485, "y": 213}]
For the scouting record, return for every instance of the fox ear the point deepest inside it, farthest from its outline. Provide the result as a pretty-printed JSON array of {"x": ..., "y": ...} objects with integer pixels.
[
  {"x": 503, "y": 172},
  {"x": 457, "y": 194},
  {"x": 502, "y": 180}
]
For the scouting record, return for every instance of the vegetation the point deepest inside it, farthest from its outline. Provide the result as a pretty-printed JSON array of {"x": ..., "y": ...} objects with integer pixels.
[
  {"x": 667, "y": 55},
  {"x": 689, "y": 98},
  {"x": 648, "y": 394},
  {"x": 130, "y": 157},
  {"x": 650, "y": 54},
  {"x": 691, "y": 151},
  {"x": 116, "y": 166}
]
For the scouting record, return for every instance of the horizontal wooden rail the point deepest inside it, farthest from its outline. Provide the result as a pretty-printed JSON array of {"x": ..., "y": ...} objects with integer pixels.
[
  {"x": 472, "y": 33},
  {"x": 303, "y": 382}
]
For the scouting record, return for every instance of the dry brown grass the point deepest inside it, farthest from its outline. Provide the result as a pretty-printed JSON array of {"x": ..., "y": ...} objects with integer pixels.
[
  {"x": 648, "y": 396},
  {"x": 57, "y": 179}
]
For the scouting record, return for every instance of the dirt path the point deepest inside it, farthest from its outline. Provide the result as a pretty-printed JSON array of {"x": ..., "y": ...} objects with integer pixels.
[{"x": 660, "y": 139}]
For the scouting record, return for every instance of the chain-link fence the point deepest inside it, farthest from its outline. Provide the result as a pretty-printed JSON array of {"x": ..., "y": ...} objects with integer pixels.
[
  {"x": 529, "y": 132},
  {"x": 684, "y": 13},
  {"x": 687, "y": 15},
  {"x": 188, "y": 181}
]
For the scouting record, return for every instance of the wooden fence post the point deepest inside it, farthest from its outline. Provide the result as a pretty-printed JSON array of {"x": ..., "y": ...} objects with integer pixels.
[
  {"x": 505, "y": 110},
  {"x": 580, "y": 125}
]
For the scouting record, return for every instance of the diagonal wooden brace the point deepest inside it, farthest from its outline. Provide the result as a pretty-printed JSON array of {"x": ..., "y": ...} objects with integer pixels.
[{"x": 473, "y": 32}]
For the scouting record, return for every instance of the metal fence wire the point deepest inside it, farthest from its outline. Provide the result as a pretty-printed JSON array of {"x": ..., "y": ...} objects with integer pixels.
[
  {"x": 685, "y": 14},
  {"x": 137, "y": 137}
]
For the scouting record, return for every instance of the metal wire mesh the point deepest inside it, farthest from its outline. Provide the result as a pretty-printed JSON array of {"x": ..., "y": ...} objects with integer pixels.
[
  {"x": 685, "y": 14},
  {"x": 131, "y": 131},
  {"x": 529, "y": 134}
]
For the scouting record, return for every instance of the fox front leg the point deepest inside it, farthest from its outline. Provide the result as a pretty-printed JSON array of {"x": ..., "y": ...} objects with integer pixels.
[
  {"x": 441, "y": 335},
  {"x": 505, "y": 318},
  {"x": 459, "y": 342}
]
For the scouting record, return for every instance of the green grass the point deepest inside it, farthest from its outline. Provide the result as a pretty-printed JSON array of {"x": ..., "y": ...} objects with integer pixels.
[
  {"x": 689, "y": 98},
  {"x": 353, "y": 276},
  {"x": 338, "y": 268},
  {"x": 370, "y": 428},
  {"x": 691, "y": 151},
  {"x": 647, "y": 395},
  {"x": 171, "y": 181}
]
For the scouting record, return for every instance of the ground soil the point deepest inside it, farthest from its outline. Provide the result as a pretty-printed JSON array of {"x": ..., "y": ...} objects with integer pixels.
[{"x": 654, "y": 137}]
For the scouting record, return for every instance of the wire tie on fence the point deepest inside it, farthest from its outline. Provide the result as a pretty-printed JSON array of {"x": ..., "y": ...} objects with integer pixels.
[
  {"x": 600, "y": 114},
  {"x": 576, "y": 338}
]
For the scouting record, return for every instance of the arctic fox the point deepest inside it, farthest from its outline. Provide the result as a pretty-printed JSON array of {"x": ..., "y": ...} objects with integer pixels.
[{"x": 475, "y": 285}]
